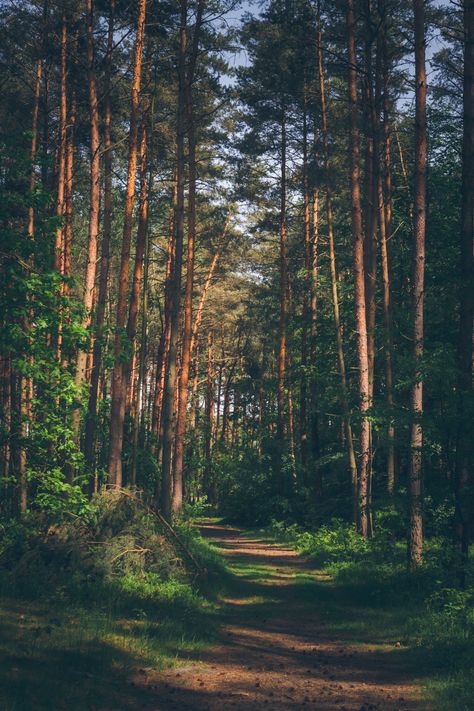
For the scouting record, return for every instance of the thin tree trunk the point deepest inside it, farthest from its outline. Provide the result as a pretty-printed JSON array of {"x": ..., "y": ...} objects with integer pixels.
[
  {"x": 58, "y": 245},
  {"x": 281, "y": 396},
  {"x": 306, "y": 299},
  {"x": 164, "y": 343},
  {"x": 359, "y": 278},
  {"x": 142, "y": 360},
  {"x": 385, "y": 216},
  {"x": 177, "y": 498},
  {"x": 34, "y": 146},
  {"x": 464, "y": 449},
  {"x": 89, "y": 440},
  {"x": 118, "y": 385},
  {"x": 349, "y": 443},
  {"x": 168, "y": 416},
  {"x": 209, "y": 424},
  {"x": 61, "y": 173},
  {"x": 94, "y": 201},
  {"x": 130, "y": 374},
  {"x": 415, "y": 541}
]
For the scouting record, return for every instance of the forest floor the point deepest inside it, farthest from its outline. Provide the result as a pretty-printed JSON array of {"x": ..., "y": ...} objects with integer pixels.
[
  {"x": 275, "y": 633},
  {"x": 281, "y": 647}
]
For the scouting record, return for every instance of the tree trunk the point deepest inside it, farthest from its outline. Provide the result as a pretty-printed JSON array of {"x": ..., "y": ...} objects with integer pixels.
[
  {"x": 118, "y": 384},
  {"x": 209, "y": 424},
  {"x": 415, "y": 541},
  {"x": 177, "y": 498},
  {"x": 464, "y": 449},
  {"x": 34, "y": 146},
  {"x": 168, "y": 416},
  {"x": 385, "y": 215},
  {"x": 359, "y": 278},
  {"x": 349, "y": 443},
  {"x": 281, "y": 397},
  {"x": 58, "y": 245},
  {"x": 89, "y": 440},
  {"x": 306, "y": 299},
  {"x": 89, "y": 283}
]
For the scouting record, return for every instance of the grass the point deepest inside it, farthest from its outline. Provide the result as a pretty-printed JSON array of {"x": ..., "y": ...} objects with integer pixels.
[
  {"x": 80, "y": 646},
  {"x": 365, "y": 594},
  {"x": 76, "y": 631}
]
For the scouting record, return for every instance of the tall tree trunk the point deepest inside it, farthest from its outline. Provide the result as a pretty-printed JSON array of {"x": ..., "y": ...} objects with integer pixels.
[
  {"x": 281, "y": 397},
  {"x": 370, "y": 197},
  {"x": 34, "y": 146},
  {"x": 177, "y": 497},
  {"x": 465, "y": 448},
  {"x": 130, "y": 374},
  {"x": 164, "y": 343},
  {"x": 315, "y": 439},
  {"x": 61, "y": 172},
  {"x": 209, "y": 424},
  {"x": 140, "y": 403},
  {"x": 89, "y": 439},
  {"x": 349, "y": 442},
  {"x": 118, "y": 384},
  {"x": 69, "y": 178},
  {"x": 168, "y": 415},
  {"x": 359, "y": 278},
  {"x": 415, "y": 540},
  {"x": 94, "y": 201},
  {"x": 306, "y": 298},
  {"x": 58, "y": 245},
  {"x": 385, "y": 215}
]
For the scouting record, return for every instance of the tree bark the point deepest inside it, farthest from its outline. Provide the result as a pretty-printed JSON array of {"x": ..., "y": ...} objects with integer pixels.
[
  {"x": 281, "y": 397},
  {"x": 306, "y": 299},
  {"x": 385, "y": 214},
  {"x": 94, "y": 201},
  {"x": 349, "y": 442},
  {"x": 168, "y": 416},
  {"x": 464, "y": 449},
  {"x": 415, "y": 539},
  {"x": 89, "y": 440},
  {"x": 359, "y": 279},
  {"x": 118, "y": 385},
  {"x": 177, "y": 498}
]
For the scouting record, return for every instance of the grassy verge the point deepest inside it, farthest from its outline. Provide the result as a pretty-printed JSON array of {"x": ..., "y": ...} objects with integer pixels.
[
  {"x": 90, "y": 606},
  {"x": 366, "y": 594}
]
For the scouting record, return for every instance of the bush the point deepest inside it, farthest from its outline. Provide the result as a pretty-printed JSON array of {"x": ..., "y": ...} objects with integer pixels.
[{"x": 116, "y": 539}]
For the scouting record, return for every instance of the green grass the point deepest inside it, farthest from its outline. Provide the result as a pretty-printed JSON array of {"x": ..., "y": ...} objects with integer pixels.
[
  {"x": 365, "y": 595},
  {"x": 60, "y": 654},
  {"x": 74, "y": 635}
]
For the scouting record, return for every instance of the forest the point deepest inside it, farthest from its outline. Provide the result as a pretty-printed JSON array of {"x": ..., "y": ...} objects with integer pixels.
[{"x": 236, "y": 355}]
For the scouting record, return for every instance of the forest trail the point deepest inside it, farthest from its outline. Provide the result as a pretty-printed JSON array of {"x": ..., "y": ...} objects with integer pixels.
[{"x": 276, "y": 652}]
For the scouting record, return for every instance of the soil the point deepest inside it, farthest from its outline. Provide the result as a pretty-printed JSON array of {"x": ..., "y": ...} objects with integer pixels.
[{"x": 275, "y": 650}]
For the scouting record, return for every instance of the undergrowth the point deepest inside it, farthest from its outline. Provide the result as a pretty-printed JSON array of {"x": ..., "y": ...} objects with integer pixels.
[
  {"x": 88, "y": 602},
  {"x": 423, "y": 611}
]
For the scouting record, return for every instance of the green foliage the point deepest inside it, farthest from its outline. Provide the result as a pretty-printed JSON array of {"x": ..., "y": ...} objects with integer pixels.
[{"x": 246, "y": 490}]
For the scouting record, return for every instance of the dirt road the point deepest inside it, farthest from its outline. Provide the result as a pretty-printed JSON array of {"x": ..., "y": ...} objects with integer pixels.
[{"x": 276, "y": 652}]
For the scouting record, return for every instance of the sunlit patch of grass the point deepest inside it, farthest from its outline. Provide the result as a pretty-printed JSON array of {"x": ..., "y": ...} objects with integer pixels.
[{"x": 51, "y": 654}]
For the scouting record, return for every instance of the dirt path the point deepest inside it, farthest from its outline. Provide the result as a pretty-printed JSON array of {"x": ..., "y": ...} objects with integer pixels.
[{"x": 275, "y": 652}]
